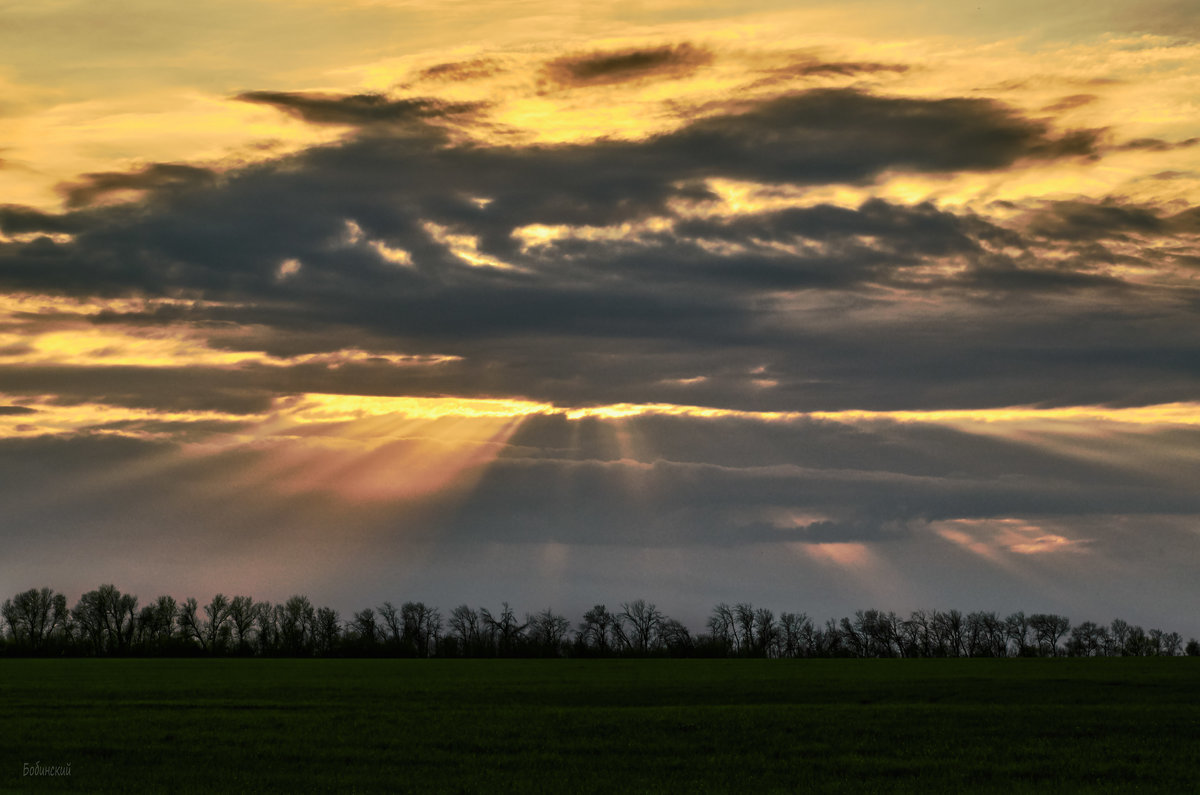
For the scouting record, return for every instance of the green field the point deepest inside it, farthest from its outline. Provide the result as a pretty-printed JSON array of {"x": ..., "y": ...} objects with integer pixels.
[{"x": 606, "y": 725}]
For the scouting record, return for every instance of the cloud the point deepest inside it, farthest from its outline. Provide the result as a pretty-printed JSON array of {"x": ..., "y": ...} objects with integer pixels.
[
  {"x": 1156, "y": 144},
  {"x": 660, "y": 292},
  {"x": 1083, "y": 221},
  {"x": 622, "y": 66},
  {"x": 460, "y": 71},
  {"x": 357, "y": 109},
  {"x": 1071, "y": 102},
  {"x": 156, "y": 177},
  {"x": 832, "y": 135},
  {"x": 17, "y": 220},
  {"x": 809, "y": 67}
]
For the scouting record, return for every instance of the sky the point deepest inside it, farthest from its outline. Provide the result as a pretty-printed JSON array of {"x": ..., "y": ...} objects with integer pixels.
[{"x": 819, "y": 306}]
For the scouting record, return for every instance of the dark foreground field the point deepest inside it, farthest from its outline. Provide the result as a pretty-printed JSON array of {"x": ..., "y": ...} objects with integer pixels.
[{"x": 623, "y": 725}]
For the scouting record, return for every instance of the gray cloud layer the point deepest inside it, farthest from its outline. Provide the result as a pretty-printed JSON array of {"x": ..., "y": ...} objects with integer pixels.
[{"x": 713, "y": 297}]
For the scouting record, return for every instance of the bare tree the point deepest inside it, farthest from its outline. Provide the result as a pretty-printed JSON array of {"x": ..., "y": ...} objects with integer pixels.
[
  {"x": 950, "y": 629},
  {"x": 881, "y": 631},
  {"x": 1048, "y": 630},
  {"x": 365, "y": 629},
  {"x": 1018, "y": 628},
  {"x": 1087, "y": 639},
  {"x": 643, "y": 620},
  {"x": 242, "y": 615},
  {"x": 107, "y": 617},
  {"x": 918, "y": 635},
  {"x": 189, "y": 623},
  {"x": 266, "y": 627},
  {"x": 504, "y": 630},
  {"x": 595, "y": 633},
  {"x": 296, "y": 624},
  {"x": 34, "y": 616},
  {"x": 994, "y": 637},
  {"x": 743, "y": 613},
  {"x": 464, "y": 625},
  {"x": 854, "y": 635},
  {"x": 723, "y": 627},
  {"x": 156, "y": 623},
  {"x": 766, "y": 633},
  {"x": 796, "y": 633},
  {"x": 675, "y": 637},
  {"x": 547, "y": 631},
  {"x": 327, "y": 630},
  {"x": 829, "y": 642},
  {"x": 1118, "y": 636},
  {"x": 393, "y": 625},
  {"x": 420, "y": 627},
  {"x": 216, "y": 630}
]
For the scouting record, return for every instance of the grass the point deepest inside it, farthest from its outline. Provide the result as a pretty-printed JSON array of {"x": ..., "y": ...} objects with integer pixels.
[{"x": 1060, "y": 725}]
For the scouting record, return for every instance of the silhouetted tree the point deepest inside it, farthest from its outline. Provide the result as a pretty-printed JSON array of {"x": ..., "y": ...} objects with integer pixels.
[
  {"x": 243, "y": 613},
  {"x": 829, "y": 641},
  {"x": 107, "y": 622},
  {"x": 420, "y": 627},
  {"x": 156, "y": 625},
  {"x": 34, "y": 616},
  {"x": 675, "y": 638},
  {"x": 465, "y": 628},
  {"x": 595, "y": 632},
  {"x": 547, "y": 631},
  {"x": 1048, "y": 630},
  {"x": 743, "y": 614},
  {"x": 365, "y": 630},
  {"x": 190, "y": 626},
  {"x": 1018, "y": 628},
  {"x": 393, "y": 626},
  {"x": 503, "y": 631},
  {"x": 766, "y": 634},
  {"x": 327, "y": 630},
  {"x": 217, "y": 633},
  {"x": 723, "y": 627},
  {"x": 917, "y": 635},
  {"x": 1087, "y": 639},
  {"x": 796, "y": 634},
  {"x": 266, "y": 628},
  {"x": 107, "y": 617},
  {"x": 297, "y": 621},
  {"x": 642, "y": 621}
]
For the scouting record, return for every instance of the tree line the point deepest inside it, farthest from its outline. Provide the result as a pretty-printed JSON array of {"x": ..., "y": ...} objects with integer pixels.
[{"x": 106, "y": 622}]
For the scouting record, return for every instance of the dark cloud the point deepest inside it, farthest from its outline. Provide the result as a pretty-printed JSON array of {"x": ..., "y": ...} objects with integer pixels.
[
  {"x": 157, "y": 177},
  {"x": 1082, "y": 221},
  {"x": 1070, "y": 102},
  {"x": 457, "y": 71},
  {"x": 17, "y": 220},
  {"x": 843, "y": 135},
  {"x": 811, "y": 67},
  {"x": 391, "y": 185},
  {"x": 620, "y": 66},
  {"x": 357, "y": 109},
  {"x": 1157, "y": 144},
  {"x": 12, "y": 411},
  {"x": 815, "y": 296}
]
